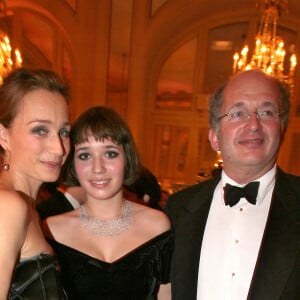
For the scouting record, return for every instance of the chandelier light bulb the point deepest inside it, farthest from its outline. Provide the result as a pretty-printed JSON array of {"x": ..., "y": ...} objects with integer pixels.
[{"x": 269, "y": 53}]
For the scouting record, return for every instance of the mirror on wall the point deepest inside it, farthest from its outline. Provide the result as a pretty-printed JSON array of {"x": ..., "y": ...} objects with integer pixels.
[{"x": 175, "y": 83}]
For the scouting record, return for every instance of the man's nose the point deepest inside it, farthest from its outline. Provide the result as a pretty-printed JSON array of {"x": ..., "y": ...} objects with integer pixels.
[{"x": 253, "y": 120}]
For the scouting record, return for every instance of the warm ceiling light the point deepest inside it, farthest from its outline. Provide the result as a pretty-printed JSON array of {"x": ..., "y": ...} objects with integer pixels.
[
  {"x": 7, "y": 61},
  {"x": 269, "y": 54}
]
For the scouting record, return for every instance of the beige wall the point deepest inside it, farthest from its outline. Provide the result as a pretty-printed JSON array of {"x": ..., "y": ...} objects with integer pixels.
[{"x": 81, "y": 44}]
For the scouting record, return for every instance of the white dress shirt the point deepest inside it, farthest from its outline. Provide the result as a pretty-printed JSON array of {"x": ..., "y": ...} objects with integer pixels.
[
  {"x": 72, "y": 200},
  {"x": 231, "y": 242}
]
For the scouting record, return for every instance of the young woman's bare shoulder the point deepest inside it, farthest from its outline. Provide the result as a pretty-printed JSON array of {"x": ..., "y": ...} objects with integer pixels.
[
  {"x": 152, "y": 218},
  {"x": 54, "y": 225}
]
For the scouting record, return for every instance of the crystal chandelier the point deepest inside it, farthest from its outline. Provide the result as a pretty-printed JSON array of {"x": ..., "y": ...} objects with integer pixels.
[
  {"x": 8, "y": 61},
  {"x": 269, "y": 53}
]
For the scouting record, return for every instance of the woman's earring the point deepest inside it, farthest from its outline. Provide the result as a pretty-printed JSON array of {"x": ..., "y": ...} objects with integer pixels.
[{"x": 6, "y": 167}]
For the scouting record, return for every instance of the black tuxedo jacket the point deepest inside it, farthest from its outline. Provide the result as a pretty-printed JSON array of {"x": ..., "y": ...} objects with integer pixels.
[
  {"x": 277, "y": 271},
  {"x": 54, "y": 205}
]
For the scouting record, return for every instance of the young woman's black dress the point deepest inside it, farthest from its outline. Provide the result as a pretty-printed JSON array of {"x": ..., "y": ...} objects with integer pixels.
[{"x": 136, "y": 276}]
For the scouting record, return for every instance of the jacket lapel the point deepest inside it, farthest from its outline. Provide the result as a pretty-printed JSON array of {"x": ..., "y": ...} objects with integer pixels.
[
  {"x": 280, "y": 244},
  {"x": 190, "y": 232}
]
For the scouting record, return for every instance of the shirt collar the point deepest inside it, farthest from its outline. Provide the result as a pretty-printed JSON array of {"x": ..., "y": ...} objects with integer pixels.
[{"x": 267, "y": 182}]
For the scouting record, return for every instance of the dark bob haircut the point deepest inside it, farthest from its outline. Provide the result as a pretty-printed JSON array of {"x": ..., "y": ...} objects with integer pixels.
[{"x": 103, "y": 123}]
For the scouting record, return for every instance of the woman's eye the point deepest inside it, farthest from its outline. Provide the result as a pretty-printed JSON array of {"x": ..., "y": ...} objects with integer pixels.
[
  {"x": 83, "y": 156},
  {"x": 65, "y": 133},
  {"x": 111, "y": 154},
  {"x": 40, "y": 131}
]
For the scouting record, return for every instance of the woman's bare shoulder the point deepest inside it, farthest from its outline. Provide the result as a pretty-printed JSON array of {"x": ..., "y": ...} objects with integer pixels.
[
  {"x": 57, "y": 224},
  {"x": 61, "y": 218},
  {"x": 153, "y": 219},
  {"x": 14, "y": 219},
  {"x": 13, "y": 203}
]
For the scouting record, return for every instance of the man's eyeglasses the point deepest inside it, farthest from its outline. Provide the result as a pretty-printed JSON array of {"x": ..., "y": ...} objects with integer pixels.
[{"x": 241, "y": 114}]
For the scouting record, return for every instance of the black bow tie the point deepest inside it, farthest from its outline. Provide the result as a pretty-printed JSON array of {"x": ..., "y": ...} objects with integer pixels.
[{"x": 233, "y": 194}]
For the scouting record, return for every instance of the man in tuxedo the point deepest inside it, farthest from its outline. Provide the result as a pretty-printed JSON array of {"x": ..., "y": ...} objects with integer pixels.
[
  {"x": 62, "y": 199},
  {"x": 237, "y": 234}
]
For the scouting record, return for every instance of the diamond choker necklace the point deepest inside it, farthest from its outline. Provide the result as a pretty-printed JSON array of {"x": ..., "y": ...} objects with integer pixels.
[{"x": 110, "y": 227}]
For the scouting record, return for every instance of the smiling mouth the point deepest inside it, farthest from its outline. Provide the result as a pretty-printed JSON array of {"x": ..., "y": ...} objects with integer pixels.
[
  {"x": 53, "y": 164},
  {"x": 99, "y": 182},
  {"x": 251, "y": 141}
]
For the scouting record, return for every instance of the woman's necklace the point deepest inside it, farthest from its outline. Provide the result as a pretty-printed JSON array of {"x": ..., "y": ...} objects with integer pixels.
[{"x": 111, "y": 227}]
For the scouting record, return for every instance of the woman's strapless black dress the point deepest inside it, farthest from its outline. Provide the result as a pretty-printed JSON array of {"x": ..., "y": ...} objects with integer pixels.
[
  {"x": 135, "y": 276},
  {"x": 37, "y": 278}
]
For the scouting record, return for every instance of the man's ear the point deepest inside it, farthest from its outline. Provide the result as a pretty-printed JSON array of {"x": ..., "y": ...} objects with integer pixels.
[
  {"x": 3, "y": 137},
  {"x": 213, "y": 139}
]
